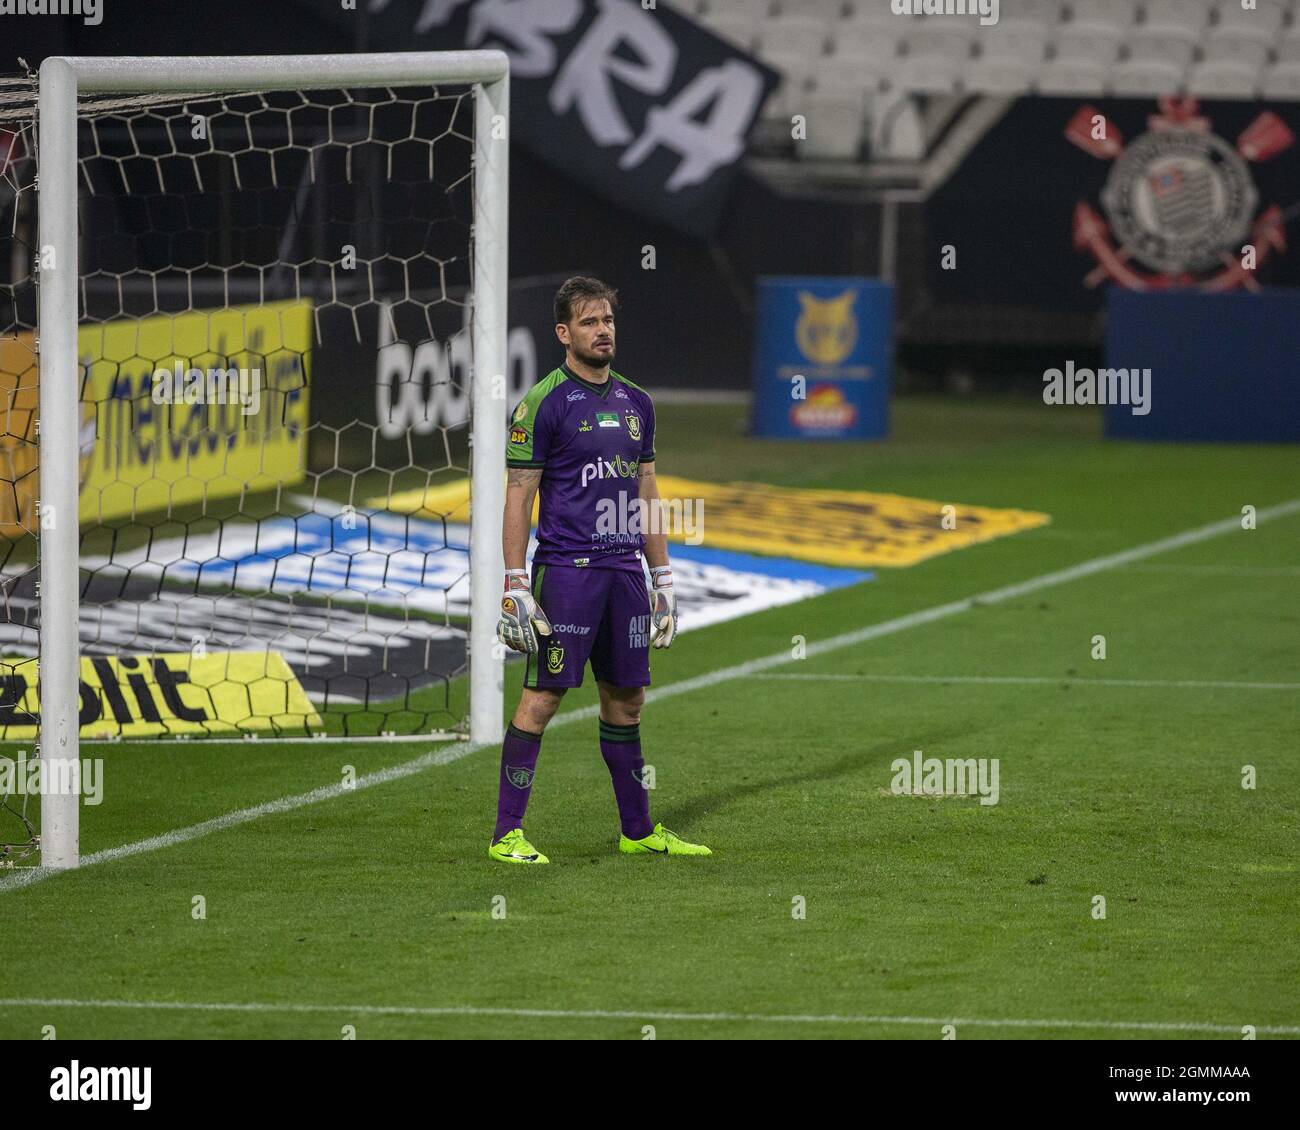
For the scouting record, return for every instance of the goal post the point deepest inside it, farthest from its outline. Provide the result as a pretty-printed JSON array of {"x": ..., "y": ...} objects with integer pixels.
[{"x": 62, "y": 81}]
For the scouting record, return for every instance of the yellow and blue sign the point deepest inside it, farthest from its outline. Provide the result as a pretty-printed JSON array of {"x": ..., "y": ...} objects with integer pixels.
[
  {"x": 155, "y": 695},
  {"x": 139, "y": 455},
  {"x": 823, "y": 358}
]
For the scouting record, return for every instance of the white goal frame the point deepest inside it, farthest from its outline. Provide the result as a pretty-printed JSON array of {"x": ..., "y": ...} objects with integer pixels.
[{"x": 62, "y": 79}]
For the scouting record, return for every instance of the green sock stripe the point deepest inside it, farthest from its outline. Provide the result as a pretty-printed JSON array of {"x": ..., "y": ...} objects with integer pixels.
[{"x": 611, "y": 732}]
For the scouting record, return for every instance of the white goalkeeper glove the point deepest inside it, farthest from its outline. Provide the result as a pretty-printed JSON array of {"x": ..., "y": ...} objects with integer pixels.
[
  {"x": 663, "y": 607},
  {"x": 522, "y": 619}
]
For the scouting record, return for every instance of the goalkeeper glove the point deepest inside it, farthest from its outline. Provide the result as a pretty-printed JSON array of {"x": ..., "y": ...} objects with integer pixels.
[
  {"x": 663, "y": 607},
  {"x": 522, "y": 619}
]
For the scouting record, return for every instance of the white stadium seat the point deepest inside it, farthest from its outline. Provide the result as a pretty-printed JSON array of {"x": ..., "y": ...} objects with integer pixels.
[
  {"x": 1183, "y": 15},
  {"x": 1000, "y": 76},
  {"x": 1282, "y": 81},
  {"x": 796, "y": 66},
  {"x": 1114, "y": 13},
  {"x": 1146, "y": 79},
  {"x": 941, "y": 39},
  {"x": 797, "y": 35},
  {"x": 739, "y": 31},
  {"x": 1011, "y": 40},
  {"x": 789, "y": 96},
  {"x": 1073, "y": 77},
  {"x": 1161, "y": 45},
  {"x": 1087, "y": 43},
  {"x": 823, "y": 10},
  {"x": 843, "y": 74},
  {"x": 1231, "y": 44},
  {"x": 753, "y": 10},
  {"x": 1263, "y": 20},
  {"x": 873, "y": 12},
  {"x": 1288, "y": 50},
  {"x": 1223, "y": 80},
  {"x": 924, "y": 75},
  {"x": 867, "y": 41},
  {"x": 836, "y": 127},
  {"x": 1040, "y": 11}
]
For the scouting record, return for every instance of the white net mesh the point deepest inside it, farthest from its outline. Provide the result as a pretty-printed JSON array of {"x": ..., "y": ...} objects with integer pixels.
[{"x": 274, "y": 337}]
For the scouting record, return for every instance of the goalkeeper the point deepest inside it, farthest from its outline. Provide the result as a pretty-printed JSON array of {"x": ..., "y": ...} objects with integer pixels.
[{"x": 584, "y": 438}]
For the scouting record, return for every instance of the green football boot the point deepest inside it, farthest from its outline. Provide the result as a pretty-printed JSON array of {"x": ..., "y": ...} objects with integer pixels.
[
  {"x": 660, "y": 842},
  {"x": 513, "y": 848}
]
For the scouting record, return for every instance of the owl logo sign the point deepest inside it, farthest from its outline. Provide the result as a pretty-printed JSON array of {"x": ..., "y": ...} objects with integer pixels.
[
  {"x": 826, "y": 331},
  {"x": 1179, "y": 206}
]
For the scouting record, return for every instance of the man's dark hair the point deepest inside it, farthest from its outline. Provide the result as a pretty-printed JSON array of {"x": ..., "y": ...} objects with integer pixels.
[{"x": 577, "y": 290}]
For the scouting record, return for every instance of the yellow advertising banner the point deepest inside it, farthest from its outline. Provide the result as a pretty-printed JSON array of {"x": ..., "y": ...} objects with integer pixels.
[
  {"x": 231, "y": 419},
  {"x": 850, "y": 528},
  {"x": 141, "y": 696}
]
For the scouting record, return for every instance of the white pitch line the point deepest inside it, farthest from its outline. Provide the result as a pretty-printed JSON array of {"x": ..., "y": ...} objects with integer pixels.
[
  {"x": 1032, "y": 681},
  {"x": 346, "y": 1010},
  {"x": 27, "y": 876},
  {"x": 1223, "y": 570}
]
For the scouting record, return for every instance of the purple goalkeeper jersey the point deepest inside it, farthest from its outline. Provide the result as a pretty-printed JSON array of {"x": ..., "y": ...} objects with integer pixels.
[{"x": 588, "y": 441}]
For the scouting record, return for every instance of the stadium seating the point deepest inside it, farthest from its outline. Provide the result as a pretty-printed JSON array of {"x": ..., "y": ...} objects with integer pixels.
[{"x": 835, "y": 55}]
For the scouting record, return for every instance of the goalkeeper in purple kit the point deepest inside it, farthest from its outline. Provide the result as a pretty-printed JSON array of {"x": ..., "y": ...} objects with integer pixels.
[{"x": 584, "y": 438}]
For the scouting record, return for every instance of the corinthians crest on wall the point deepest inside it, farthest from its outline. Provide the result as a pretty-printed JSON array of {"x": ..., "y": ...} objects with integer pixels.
[{"x": 1180, "y": 205}]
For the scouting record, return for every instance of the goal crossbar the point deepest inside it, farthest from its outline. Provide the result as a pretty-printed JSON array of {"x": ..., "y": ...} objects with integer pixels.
[{"x": 62, "y": 81}]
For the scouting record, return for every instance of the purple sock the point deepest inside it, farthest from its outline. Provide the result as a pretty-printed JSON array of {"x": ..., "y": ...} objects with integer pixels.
[
  {"x": 518, "y": 763},
  {"x": 620, "y": 746}
]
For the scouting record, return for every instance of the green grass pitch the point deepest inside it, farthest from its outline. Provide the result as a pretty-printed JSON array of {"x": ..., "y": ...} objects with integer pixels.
[{"x": 376, "y": 909}]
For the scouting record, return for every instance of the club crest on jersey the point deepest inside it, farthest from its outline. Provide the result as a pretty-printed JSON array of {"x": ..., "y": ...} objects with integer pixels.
[
  {"x": 518, "y": 776},
  {"x": 555, "y": 659},
  {"x": 634, "y": 426}
]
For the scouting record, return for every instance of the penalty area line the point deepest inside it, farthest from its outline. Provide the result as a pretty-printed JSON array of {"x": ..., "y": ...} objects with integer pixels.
[
  {"x": 433, "y": 1011},
  {"x": 25, "y": 877},
  {"x": 1029, "y": 681}
]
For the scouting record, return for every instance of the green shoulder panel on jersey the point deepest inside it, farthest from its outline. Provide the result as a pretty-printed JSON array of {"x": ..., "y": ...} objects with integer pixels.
[
  {"x": 519, "y": 449},
  {"x": 630, "y": 384}
]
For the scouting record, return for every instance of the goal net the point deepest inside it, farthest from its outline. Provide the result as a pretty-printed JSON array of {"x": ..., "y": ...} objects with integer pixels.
[{"x": 250, "y": 310}]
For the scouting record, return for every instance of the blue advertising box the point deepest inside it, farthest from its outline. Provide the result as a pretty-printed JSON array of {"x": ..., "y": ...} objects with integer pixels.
[
  {"x": 823, "y": 358},
  {"x": 1223, "y": 368}
]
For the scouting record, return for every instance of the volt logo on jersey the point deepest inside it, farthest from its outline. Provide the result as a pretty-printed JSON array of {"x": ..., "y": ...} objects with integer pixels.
[{"x": 607, "y": 419}]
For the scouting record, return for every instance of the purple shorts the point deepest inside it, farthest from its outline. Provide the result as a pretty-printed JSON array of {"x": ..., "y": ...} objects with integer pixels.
[{"x": 597, "y": 614}]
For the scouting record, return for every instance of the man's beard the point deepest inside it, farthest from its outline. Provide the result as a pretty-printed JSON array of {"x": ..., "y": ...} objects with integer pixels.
[{"x": 595, "y": 360}]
